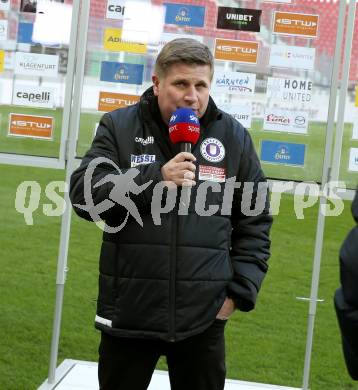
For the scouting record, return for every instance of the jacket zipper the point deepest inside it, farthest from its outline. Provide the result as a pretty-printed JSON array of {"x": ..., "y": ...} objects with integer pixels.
[{"x": 173, "y": 256}]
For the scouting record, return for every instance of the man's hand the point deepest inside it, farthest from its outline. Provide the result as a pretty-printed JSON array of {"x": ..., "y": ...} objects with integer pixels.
[
  {"x": 226, "y": 310},
  {"x": 180, "y": 169}
]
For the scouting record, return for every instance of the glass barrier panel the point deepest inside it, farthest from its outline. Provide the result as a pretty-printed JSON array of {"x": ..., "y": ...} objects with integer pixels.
[{"x": 34, "y": 39}]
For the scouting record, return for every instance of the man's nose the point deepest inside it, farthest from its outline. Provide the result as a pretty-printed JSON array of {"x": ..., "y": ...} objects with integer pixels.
[{"x": 191, "y": 95}]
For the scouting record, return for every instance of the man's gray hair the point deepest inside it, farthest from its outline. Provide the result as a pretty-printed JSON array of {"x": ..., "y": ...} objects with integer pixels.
[{"x": 183, "y": 50}]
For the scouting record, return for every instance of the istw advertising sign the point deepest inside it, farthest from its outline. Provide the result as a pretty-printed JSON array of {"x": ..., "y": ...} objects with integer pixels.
[
  {"x": 109, "y": 101},
  {"x": 235, "y": 50},
  {"x": 31, "y": 126},
  {"x": 32, "y": 96},
  {"x": 289, "y": 23}
]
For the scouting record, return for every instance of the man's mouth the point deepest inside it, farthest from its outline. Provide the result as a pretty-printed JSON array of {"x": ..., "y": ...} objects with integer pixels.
[{"x": 196, "y": 110}]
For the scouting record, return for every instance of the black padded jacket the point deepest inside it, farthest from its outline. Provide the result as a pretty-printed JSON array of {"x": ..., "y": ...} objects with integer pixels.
[
  {"x": 346, "y": 297},
  {"x": 169, "y": 280}
]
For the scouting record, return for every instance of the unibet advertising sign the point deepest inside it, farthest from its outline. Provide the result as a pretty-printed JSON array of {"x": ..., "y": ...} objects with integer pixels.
[{"x": 244, "y": 19}]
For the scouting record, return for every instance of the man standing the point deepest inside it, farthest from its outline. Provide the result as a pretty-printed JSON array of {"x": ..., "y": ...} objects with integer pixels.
[
  {"x": 346, "y": 296},
  {"x": 169, "y": 289}
]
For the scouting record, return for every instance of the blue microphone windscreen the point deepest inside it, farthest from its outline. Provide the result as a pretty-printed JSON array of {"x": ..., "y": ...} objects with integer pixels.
[{"x": 185, "y": 115}]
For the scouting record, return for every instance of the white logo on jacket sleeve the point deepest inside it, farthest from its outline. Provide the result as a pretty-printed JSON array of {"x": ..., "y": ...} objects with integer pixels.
[
  {"x": 212, "y": 150},
  {"x": 145, "y": 141},
  {"x": 142, "y": 159}
]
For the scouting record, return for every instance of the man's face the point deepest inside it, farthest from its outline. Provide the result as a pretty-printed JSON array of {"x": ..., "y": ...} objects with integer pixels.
[{"x": 183, "y": 86}]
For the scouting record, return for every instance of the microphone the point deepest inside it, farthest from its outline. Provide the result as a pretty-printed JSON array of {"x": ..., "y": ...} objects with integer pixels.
[{"x": 184, "y": 128}]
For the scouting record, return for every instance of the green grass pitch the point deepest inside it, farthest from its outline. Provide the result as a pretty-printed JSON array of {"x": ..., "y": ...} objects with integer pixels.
[{"x": 266, "y": 345}]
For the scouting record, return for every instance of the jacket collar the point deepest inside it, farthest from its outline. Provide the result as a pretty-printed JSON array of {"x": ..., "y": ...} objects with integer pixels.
[{"x": 150, "y": 110}]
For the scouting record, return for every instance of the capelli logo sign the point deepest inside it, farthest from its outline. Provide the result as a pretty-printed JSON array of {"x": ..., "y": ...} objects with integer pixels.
[
  {"x": 30, "y": 126},
  {"x": 289, "y": 23},
  {"x": 32, "y": 96},
  {"x": 238, "y": 51},
  {"x": 115, "y": 9},
  {"x": 109, "y": 101}
]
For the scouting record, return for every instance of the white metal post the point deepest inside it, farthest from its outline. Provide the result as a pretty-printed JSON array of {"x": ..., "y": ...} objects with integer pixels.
[
  {"x": 322, "y": 200},
  {"x": 75, "y": 70}
]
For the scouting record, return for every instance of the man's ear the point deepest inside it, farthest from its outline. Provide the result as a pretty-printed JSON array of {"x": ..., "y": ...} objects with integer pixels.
[{"x": 156, "y": 82}]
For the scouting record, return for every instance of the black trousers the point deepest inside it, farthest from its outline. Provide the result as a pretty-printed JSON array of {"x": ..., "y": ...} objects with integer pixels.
[{"x": 196, "y": 363}]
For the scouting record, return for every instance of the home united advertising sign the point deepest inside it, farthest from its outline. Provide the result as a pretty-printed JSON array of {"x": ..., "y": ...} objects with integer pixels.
[{"x": 289, "y": 89}]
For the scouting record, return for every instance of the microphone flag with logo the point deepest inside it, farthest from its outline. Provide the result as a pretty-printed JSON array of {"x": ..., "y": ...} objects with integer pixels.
[{"x": 184, "y": 128}]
